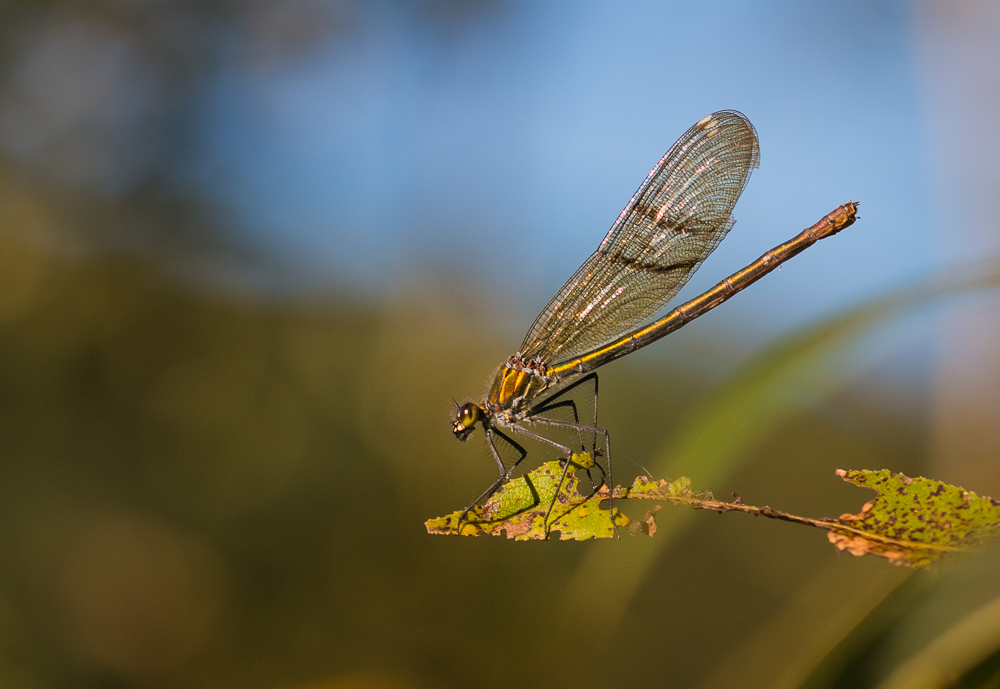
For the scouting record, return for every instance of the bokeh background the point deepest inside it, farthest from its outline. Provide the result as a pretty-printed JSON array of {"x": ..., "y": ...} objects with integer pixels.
[{"x": 250, "y": 250}]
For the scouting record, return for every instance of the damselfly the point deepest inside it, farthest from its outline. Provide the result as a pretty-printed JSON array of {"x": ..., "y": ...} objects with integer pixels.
[{"x": 674, "y": 221}]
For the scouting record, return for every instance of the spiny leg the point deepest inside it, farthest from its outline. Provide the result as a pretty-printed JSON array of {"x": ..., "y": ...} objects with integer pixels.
[
  {"x": 504, "y": 472},
  {"x": 541, "y": 420},
  {"x": 569, "y": 459},
  {"x": 549, "y": 403},
  {"x": 560, "y": 405},
  {"x": 580, "y": 431}
]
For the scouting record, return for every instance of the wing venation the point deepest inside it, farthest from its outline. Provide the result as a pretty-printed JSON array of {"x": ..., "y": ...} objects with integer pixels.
[{"x": 677, "y": 217}]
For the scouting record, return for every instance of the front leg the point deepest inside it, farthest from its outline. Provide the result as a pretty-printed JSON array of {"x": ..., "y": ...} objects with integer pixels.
[{"x": 504, "y": 472}]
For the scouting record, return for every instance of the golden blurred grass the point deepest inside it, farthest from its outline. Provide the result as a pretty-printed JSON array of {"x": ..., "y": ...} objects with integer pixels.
[{"x": 213, "y": 489}]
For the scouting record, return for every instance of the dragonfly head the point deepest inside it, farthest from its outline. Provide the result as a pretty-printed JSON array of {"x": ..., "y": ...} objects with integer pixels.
[{"x": 466, "y": 416}]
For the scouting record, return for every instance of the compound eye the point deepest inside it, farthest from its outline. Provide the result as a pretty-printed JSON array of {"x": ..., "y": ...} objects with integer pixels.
[{"x": 468, "y": 415}]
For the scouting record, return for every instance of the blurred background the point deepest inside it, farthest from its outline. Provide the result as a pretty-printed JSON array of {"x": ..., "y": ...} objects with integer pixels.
[{"x": 250, "y": 250}]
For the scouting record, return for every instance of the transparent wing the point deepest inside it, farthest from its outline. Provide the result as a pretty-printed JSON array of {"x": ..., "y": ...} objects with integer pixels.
[{"x": 673, "y": 222}]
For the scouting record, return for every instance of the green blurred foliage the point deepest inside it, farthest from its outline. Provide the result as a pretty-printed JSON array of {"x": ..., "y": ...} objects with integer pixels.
[{"x": 204, "y": 487}]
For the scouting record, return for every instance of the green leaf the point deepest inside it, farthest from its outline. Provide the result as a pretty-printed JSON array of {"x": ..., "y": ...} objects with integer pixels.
[
  {"x": 518, "y": 509},
  {"x": 914, "y": 521}
]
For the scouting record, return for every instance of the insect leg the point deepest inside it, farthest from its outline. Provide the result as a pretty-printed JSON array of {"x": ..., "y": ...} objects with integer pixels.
[
  {"x": 504, "y": 472},
  {"x": 541, "y": 420},
  {"x": 549, "y": 403}
]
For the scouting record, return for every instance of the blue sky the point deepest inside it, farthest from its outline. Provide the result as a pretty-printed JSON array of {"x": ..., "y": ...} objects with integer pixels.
[{"x": 499, "y": 152}]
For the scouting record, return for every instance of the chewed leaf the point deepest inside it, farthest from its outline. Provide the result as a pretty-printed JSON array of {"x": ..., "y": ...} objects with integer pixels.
[
  {"x": 913, "y": 521},
  {"x": 519, "y": 508},
  {"x": 678, "y": 490},
  {"x": 647, "y": 524}
]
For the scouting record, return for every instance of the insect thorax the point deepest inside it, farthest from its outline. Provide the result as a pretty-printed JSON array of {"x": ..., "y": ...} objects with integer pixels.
[{"x": 516, "y": 384}]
